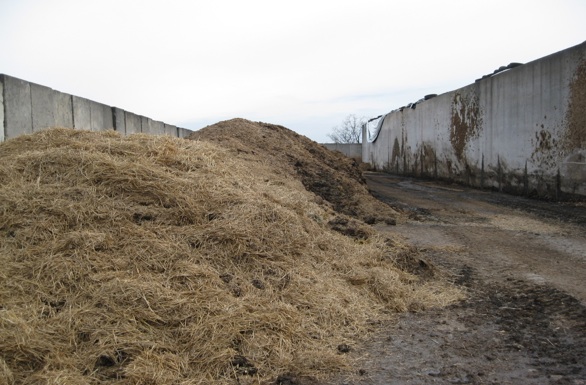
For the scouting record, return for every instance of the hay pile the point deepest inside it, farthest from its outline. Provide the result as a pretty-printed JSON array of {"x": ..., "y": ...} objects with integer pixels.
[
  {"x": 330, "y": 175},
  {"x": 156, "y": 260}
]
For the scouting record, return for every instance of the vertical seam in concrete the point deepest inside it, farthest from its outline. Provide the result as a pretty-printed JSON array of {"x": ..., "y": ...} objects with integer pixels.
[
  {"x": 30, "y": 92},
  {"x": 113, "y": 110},
  {"x": 113, "y": 118},
  {"x": 72, "y": 112},
  {"x": 4, "y": 131}
]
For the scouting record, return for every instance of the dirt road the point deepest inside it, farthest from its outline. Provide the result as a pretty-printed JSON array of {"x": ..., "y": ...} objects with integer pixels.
[{"x": 523, "y": 264}]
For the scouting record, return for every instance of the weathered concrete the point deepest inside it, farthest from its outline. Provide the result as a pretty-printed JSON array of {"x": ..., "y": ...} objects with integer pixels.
[
  {"x": 522, "y": 130},
  {"x": 82, "y": 115},
  {"x": 170, "y": 130},
  {"x": 133, "y": 123},
  {"x": 150, "y": 126},
  {"x": 101, "y": 117},
  {"x": 17, "y": 107},
  {"x": 90, "y": 115},
  {"x": 119, "y": 120},
  {"x": 50, "y": 108},
  {"x": 27, "y": 107},
  {"x": 183, "y": 132},
  {"x": 351, "y": 150},
  {"x": 157, "y": 127}
]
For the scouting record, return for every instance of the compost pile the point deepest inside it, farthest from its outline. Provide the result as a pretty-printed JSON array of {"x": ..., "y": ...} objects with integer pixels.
[
  {"x": 157, "y": 260},
  {"x": 330, "y": 175}
]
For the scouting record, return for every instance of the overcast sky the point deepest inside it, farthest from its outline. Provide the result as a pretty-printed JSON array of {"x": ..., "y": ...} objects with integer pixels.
[{"x": 303, "y": 64}]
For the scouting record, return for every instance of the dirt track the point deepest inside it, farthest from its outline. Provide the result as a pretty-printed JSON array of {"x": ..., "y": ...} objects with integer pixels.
[{"x": 523, "y": 263}]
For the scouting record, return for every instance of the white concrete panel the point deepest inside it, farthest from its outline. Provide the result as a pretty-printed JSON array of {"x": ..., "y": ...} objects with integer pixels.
[
  {"x": 152, "y": 127},
  {"x": 82, "y": 117},
  {"x": 17, "y": 107},
  {"x": 157, "y": 127},
  {"x": 132, "y": 123},
  {"x": 101, "y": 117},
  {"x": 50, "y": 108}
]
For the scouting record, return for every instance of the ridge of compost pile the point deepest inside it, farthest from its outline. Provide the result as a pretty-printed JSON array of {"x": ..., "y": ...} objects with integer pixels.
[
  {"x": 330, "y": 175},
  {"x": 158, "y": 260}
]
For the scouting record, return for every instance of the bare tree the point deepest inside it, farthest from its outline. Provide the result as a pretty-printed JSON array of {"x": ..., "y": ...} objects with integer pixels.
[{"x": 350, "y": 131}]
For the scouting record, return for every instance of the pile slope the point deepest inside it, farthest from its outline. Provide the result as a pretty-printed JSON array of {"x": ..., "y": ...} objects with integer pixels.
[
  {"x": 330, "y": 175},
  {"x": 157, "y": 260}
]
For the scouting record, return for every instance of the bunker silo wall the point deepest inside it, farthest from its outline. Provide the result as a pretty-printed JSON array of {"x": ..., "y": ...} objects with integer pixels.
[
  {"x": 520, "y": 130},
  {"x": 27, "y": 107}
]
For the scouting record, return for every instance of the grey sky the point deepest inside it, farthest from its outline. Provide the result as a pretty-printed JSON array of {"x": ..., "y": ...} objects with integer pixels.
[{"x": 302, "y": 64}]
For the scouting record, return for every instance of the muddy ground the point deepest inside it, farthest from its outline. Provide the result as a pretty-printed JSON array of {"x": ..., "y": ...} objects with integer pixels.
[{"x": 523, "y": 265}]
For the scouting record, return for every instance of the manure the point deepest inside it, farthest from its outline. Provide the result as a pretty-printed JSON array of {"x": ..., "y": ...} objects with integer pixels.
[{"x": 121, "y": 258}]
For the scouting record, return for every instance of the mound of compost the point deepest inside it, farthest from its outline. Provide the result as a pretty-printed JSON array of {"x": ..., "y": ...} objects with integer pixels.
[
  {"x": 330, "y": 175},
  {"x": 157, "y": 260}
]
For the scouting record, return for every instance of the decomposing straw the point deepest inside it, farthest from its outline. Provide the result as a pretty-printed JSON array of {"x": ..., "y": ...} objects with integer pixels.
[{"x": 156, "y": 260}]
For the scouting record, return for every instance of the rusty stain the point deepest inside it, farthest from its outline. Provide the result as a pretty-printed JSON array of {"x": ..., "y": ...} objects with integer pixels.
[
  {"x": 466, "y": 122},
  {"x": 575, "y": 137}
]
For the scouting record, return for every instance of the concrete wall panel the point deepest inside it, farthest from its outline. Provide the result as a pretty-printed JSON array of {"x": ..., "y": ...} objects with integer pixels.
[
  {"x": 170, "y": 130},
  {"x": 118, "y": 114},
  {"x": 90, "y": 115},
  {"x": 157, "y": 127},
  {"x": 82, "y": 116},
  {"x": 42, "y": 107},
  {"x": 101, "y": 117},
  {"x": 145, "y": 125},
  {"x": 50, "y": 108},
  {"x": 152, "y": 127},
  {"x": 132, "y": 123},
  {"x": 183, "y": 132},
  {"x": 63, "y": 113},
  {"x": 17, "y": 107}
]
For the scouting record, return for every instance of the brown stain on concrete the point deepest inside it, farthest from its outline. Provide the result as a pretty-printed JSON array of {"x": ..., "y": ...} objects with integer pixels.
[
  {"x": 428, "y": 160},
  {"x": 544, "y": 145},
  {"x": 576, "y": 115},
  {"x": 466, "y": 122},
  {"x": 396, "y": 154},
  {"x": 544, "y": 140}
]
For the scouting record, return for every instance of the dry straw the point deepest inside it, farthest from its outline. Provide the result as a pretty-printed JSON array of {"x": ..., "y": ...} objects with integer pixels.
[{"x": 155, "y": 260}]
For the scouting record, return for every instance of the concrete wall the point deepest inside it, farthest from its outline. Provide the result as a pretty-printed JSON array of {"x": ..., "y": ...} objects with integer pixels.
[
  {"x": 521, "y": 130},
  {"x": 351, "y": 150},
  {"x": 28, "y": 107},
  {"x": 2, "y": 111}
]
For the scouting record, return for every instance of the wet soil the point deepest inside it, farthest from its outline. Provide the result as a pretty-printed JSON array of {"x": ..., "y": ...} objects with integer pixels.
[{"x": 522, "y": 263}]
